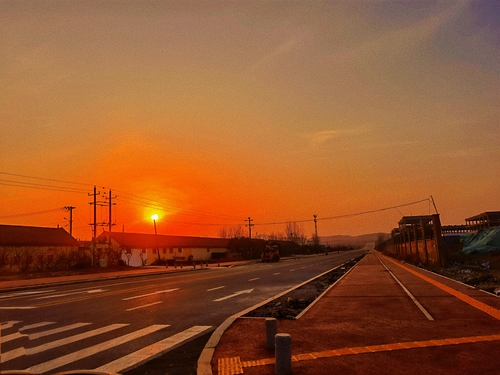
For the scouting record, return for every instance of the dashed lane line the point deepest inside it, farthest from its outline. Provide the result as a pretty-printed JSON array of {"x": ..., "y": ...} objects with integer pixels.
[
  {"x": 150, "y": 294},
  {"x": 212, "y": 289},
  {"x": 229, "y": 366},
  {"x": 143, "y": 306}
]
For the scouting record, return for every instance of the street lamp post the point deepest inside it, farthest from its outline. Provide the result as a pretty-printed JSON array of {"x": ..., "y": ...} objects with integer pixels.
[{"x": 155, "y": 217}]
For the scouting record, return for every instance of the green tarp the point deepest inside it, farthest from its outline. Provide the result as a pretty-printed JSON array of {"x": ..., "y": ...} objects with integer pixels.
[{"x": 482, "y": 241}]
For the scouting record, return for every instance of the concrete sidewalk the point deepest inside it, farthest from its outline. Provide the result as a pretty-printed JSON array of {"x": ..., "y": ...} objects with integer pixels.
[{"x": 383, "y": 317}]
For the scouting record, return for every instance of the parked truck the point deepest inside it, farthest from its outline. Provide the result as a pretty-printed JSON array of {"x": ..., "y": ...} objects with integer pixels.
[{"x": 271, "y": 253}]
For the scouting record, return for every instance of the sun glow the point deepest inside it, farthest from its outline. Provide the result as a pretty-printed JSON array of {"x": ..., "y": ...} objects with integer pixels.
[{"x": 154, "y": 217}]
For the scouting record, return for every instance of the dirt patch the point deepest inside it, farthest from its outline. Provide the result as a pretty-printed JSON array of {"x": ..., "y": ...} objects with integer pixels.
[
  {"x": 481, "y": 271},
  {"x": 291, "y": 304}
]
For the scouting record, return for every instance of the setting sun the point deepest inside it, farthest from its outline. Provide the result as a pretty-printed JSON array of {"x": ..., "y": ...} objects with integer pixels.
[{"x": 154, "y": 217}]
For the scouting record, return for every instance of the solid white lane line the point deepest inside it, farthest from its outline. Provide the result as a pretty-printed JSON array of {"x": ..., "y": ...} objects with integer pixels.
[
  {"x": 25, "y": 294},
  {"x": 35, "y": 336},
  {"x": 87, "y": 352},
  {"x": 415, "y": 301},
  {"x": 150, "y": 294},
  {"x": 219, "y": 287},
  {"x": 152, "y": 351},
  {"x": 72, "y": 293},
  {"x": 17, "y": 308},
  {"x": 143, "y": 306}
]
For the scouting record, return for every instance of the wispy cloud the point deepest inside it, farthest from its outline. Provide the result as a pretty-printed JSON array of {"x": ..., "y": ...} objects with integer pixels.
[
  {"x": 320, "y": 137},
  {"x": 274, "y": 56}
]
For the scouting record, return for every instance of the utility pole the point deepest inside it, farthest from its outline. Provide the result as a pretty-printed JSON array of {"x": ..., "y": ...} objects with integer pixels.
[
  {"x": 316, "y": 228},
  {"x": 94, "y": 224},
  {"x": 434, "y": 204},
  {"x": 70, "y": 209},
  {"x": 249, "y": 225},
  {"x": 110, "y": 204},
  {"x": 110, "y": 224}
]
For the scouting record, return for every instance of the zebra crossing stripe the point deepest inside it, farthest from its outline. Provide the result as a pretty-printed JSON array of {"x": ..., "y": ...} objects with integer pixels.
[
  {"x": 150, "y": 352},
  {"x": 19, "y": 352},
  {"x": 75, "y": 338},
  {"x": 11, "y": 337},
  {"x": 36, "y": 325},
  {"x": 9, "y": 324},
  {"x": 38, "y": 335},
  {"x": 80, "y": 354}
]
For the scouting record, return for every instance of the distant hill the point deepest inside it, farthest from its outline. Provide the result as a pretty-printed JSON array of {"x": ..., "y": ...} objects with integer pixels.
[{"x": 354, "y": 241}]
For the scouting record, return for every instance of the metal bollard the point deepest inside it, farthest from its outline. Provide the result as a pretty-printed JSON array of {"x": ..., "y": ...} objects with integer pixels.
[
  {"x": 283, "y": 353},
  {"x": 271, "y": 331}
]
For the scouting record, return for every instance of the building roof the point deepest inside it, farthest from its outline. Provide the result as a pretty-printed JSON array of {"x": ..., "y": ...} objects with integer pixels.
[
  {"x": 143, "y": 241},
  {"x": 412, "y": 220},
  {"x": 491, "y": 215},
  {"x": 16, "y": 235}
]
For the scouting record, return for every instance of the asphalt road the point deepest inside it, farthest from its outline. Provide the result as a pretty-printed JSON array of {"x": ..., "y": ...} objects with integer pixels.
[{"x": 127, "y": 323}]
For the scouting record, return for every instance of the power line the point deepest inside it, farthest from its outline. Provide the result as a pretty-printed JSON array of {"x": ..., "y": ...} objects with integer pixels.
[
  {"x": 347, "y": 215},
  {"x": 31, "y": 213},
  {"x": 40, "y": 186},
  {"x": 44, "y": 179}
]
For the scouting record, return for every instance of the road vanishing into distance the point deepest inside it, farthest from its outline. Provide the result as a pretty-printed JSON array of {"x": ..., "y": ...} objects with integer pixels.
[{"x": 122, "y": 324}]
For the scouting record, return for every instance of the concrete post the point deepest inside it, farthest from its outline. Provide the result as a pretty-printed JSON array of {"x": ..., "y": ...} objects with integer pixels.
[
  {"x": 283, "y": 353},
  {"x": 271, "y": 331}
]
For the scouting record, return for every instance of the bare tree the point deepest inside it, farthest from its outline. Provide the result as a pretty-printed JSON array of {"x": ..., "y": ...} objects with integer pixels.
[
  {"x": 235, "y": 231},
  {"x": 295, "y": 232}
]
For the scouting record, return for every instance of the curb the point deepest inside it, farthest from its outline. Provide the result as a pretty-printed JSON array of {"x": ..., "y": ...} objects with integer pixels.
[{"x": 204, "y": 366}]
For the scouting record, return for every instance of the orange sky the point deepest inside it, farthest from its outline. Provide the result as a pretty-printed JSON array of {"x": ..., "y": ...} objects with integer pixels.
[{"x": 271, "y": 110}]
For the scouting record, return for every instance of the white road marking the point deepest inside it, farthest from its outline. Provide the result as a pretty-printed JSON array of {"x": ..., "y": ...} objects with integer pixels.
[
  {"x": 412, "y": 297},
  {"x": 11, "y": 337},
  {"x": 219, "y": 287},
  {"x": 256, "y": 278},
  {"x": 75, "y": 338},
  {"x": 150, "y": 294},
  {"x": 36, "y": 325},
  {"x": 38, "y": 335},
  {"x": 13, "y": 354},
  {"x": 234, "y": 295},
  {"x": 292, "y": 270},
  {"x": 9, "y": 324},
  {"x": 277, "y": 273},
  {"x": 84, "y": 353},
  {"x": 19, "y": 352},
  {"x": 72, "y": 293},
  {"x": 24, "y": 294},
  {"x": 143, "y": 306},
  {"x": 152, "y": 351}
]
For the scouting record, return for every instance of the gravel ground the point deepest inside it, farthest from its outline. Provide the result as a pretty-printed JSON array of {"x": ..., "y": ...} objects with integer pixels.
[{"x": 290, "y": 305}]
